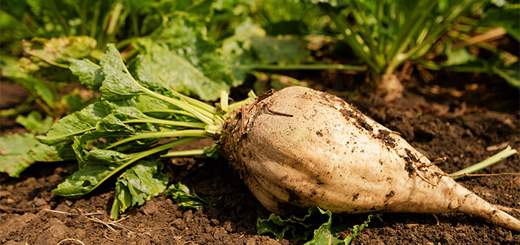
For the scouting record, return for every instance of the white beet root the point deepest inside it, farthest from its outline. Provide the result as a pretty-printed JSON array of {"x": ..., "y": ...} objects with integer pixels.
[{"x": 307, "y": 148}]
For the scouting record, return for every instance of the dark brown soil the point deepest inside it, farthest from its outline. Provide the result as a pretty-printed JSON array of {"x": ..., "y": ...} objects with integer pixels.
[{"x": 463, "y": 121}]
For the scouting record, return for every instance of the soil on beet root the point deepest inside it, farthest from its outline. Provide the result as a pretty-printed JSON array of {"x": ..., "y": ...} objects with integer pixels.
[{"x": 452, "y": 120}]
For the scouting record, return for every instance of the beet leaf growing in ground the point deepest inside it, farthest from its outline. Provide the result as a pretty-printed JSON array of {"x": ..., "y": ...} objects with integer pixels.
[{"x": 385, "y": 34}]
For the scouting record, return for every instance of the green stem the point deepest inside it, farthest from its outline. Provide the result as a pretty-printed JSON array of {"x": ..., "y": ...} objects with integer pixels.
[
  {"x": 193, "y": 5},
  {"x": 143, "y": 154},
  {"x": 101, "y": 38},
  {"x": 237, "y": 105},
  {"x": 15, "y": 111},
  {"x": 202, "y": 115},
  {"x": 195, "y": 102},
  {"x": 303, "y": 67},
  {"x": 367, "y": 35},
  {"x": 48, "y": 60},
  {"x": 46, "y": 138},
  {"x": 95, "y": 20},
  {"x": 180, "y": 112},
  {"x": 433, "y": 34},
  {"x": 59, "y": 16},
  {"x": 27, "y": 28},
  {"x": 123, "y": 43},
  {"x": 186, "y": 153},
  {"x": 156, "y": 135},
  {"x": 349, "y": 36},
  {"x": 167, "y": 122},
  {"x": 406, "y": 32},
  {"x": 114, "y": 18},
  {"x": 45, "y": 107},
  {"x": 486, "y": 163},
  {"x": 83, "y": 17},
  {"x": 135, "y": 23}
]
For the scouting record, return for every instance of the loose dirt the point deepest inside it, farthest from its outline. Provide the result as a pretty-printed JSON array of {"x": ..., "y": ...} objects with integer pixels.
[{"x": 463, "y": 121}]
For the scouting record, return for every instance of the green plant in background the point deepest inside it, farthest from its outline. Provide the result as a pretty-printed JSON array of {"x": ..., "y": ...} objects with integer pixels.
[
  {"x": 45, "y": 70},
  {"x": 385, "y": 34},
  {"x": 494, "y": 20},
  {"x": 202, "y": 45},
  {"x": 56, "y": 31}
]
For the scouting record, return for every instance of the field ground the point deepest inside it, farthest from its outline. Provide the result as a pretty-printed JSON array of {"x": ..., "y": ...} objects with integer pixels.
[{"x": 453, "y": 117}]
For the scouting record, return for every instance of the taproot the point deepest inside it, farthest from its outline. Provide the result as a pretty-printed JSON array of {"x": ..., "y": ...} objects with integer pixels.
[{"x": 301, "y": 147}]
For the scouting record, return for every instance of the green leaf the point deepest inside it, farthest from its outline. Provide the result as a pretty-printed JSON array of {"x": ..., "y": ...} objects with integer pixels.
[
  {"x": 35, "y": 123},
  {"x": 505, "y": 17},
  {"x": 275, "y": 50},
  {"x": 459, "y": 56},
  {"x": 356, "y": 230},
  {"x": 181, "y": 194},
  {"x": 31, "y": 83},
  {"x": 162, "y": 67},
  {"x": 186, "y": 59},
  {"x": 73, "y": 101},
  {"x": 96, "y": 166},
  {"x": 118, "y": 83},
  {"x": 58, "y": 51},
  {"x": 323, "y": 235},
  {"x": 76, "y": 123},
  {"x": 137, "y": 185},
  {"x": 511, "y": 74},
  {"x": 19, "y": 151},
  {"x": 300, "y": 228},
  {"x": 89, "y": 73}
]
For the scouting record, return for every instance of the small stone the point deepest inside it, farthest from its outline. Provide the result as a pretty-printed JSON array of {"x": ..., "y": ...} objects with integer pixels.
[{"x": 39, "y": 202}]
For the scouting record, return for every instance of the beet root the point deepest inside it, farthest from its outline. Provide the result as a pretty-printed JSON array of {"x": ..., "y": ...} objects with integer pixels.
[{"x": 307, "y": 148}]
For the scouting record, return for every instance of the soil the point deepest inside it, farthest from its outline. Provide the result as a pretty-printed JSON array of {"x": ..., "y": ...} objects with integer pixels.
[{"x": 465, "y": 119}]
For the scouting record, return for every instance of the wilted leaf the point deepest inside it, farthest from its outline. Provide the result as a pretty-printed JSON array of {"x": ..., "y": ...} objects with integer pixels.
[{"x": 59, "y": 50}]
